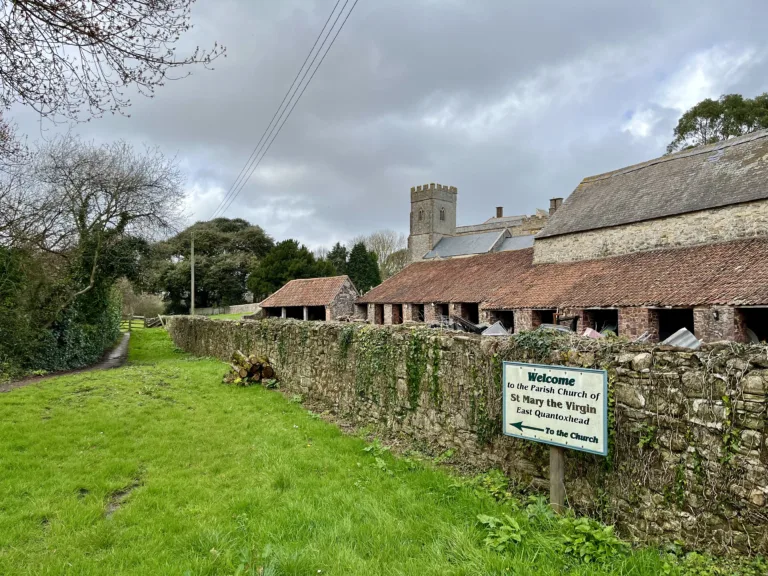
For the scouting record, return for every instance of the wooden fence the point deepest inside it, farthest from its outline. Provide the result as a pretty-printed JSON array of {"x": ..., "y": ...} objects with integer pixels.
[{"x": 129, "y": 323}]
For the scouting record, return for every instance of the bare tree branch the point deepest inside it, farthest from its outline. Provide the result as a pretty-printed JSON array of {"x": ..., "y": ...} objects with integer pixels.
[
  {"x": 76, "y": 201},
  {"x": 62, "y": 57}
]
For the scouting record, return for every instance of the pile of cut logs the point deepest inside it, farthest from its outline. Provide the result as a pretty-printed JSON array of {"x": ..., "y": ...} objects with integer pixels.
[{"x": 247, "y": 370}]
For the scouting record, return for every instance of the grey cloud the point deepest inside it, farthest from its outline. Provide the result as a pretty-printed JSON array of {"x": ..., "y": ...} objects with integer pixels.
[{"x": 404, "y": 98}]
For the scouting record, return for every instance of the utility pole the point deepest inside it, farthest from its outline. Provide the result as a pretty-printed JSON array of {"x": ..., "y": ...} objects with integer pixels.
[{"x": 192, "y": 262}]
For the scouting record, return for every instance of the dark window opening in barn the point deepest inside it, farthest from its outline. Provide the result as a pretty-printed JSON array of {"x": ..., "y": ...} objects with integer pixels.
[
  {"x": 442, "y": 214},
  {"x": 361, "y": 311},
  {"x": 472, "y": 312},
  {"x": 603, "y": 320},
  {"x": 417, "y": 312},
  {"x": 273, "y": 312},
  {"x": 507, "y": 319},
  {"x": 316, "y": 313},
  {"x": 755, "y": 324},
  {"x": 295, "y": 312},
  {"x": 672, "y": 319},
  {"x": 442, "y": 310},
  {"x": 397, "y": 313},
  {"x": 378, "y": 314},
  {"x": 543, "y": 317}
]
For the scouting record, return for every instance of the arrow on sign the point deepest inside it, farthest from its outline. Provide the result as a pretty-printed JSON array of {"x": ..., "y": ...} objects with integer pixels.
[{"x": 520, "y": 426}]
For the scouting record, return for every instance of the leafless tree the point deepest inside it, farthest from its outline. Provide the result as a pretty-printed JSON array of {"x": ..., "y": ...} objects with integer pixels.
[
  {"x": 14, "y": 207},
  {"x": 321, "y": 252},
  {"x": 386, "y": 244},
  {"x": 84, "y": 198},
  {"x": 63, "y": 56}
]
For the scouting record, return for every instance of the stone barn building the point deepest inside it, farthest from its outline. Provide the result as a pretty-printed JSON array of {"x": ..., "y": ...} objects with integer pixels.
[
  {"x": 679, "y": 241},
  {"x": 313, "y": 299}
]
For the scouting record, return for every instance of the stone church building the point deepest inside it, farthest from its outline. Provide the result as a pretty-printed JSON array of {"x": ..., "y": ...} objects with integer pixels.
[
  {"x": 434, "y": 233},
  {"x": 677, "y": 241}
]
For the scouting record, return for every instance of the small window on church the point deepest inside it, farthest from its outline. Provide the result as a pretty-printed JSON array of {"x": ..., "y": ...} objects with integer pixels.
[
  {"x": 442, "y": 214},
  {"x": 421, "y": 215}
]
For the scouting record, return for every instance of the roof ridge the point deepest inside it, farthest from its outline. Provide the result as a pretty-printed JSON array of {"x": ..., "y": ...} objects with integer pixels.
[
  {"x": 317, "y": 278},
  {"x": 699, "y": 150}
]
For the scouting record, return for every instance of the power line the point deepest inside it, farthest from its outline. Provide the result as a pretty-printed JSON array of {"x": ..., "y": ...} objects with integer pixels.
[
  {"x": 269, "y": 145},
  {"x": 290, "y": 88},
  {"x": 276, "y": 129}
]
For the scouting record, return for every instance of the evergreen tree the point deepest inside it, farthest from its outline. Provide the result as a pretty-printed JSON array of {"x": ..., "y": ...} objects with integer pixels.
[
  {"x": 363, "y": 268},
  {"x": 288, "y": 260},
  {"x": 225, "y": 252},
  {"x": 338, "y": 257}
]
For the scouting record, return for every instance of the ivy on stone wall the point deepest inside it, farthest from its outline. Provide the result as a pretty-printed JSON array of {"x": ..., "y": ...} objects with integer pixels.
[
  {"x": 436, "y": 391},
  {"x": 374, "y": 360},
  {"x": 346, "y": 338},
  {"x": 415, "y": 365}
]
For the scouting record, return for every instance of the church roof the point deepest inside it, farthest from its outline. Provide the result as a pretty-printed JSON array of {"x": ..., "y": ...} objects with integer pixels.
[
  {"x": 465, "y": 245},
  {"x": 481, "y": 243},
  {"x": 730, "y": 172},
  {"x": 516, "y": 243}
]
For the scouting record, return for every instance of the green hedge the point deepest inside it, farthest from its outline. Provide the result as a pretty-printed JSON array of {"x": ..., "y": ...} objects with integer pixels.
[
  {"x": 74, "y": 343},
  {"x": 78, "y": 338}
]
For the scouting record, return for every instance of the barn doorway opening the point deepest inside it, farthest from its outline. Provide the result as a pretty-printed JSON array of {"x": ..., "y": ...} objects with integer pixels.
[{"x": 672, "y": 319}]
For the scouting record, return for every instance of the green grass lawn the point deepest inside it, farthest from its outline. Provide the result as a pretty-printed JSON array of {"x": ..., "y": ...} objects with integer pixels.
[
  {"x": 226, "y": 317},
  {"x": 158, "y": 468}
]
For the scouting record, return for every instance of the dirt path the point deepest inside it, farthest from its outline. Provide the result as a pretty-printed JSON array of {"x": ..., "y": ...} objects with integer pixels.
[{"x": 112, "y": 359}]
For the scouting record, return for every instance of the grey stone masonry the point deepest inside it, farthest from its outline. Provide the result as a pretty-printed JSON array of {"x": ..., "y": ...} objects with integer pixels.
[
  {"x": 344, "y": 302},
  {"x": 703, "y": 227}
]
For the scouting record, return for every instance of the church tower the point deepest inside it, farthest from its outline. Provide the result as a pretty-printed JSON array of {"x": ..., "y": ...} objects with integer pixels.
[{"x": 433, "y": 215}]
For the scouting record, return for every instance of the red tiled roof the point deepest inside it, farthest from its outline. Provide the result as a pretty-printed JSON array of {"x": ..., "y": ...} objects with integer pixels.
[
  {"x": 470, "y": 279},
  {"x": 729, "y": 273},
  {"x": 306, "y": 292},
  {"x": 733, "y": 273}
]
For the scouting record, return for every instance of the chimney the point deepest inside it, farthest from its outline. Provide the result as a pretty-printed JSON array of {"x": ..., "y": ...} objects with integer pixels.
[
  {"x": 554, "y": 204},
  {"x": 499, "y": 211}
]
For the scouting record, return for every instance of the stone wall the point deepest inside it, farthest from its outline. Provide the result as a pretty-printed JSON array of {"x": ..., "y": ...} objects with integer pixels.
[
  {"x": 634, "y": 322},
  {"x": 688, "y": 450},
  {"x": 236, "y": 309},
  {"x": 704, "y": 227},
  {"x": 244, "y": 308},
  {"x": 344, "y": 302},
  {"x": 715, "y": 323},
  {"x": 527, "y": 226}
]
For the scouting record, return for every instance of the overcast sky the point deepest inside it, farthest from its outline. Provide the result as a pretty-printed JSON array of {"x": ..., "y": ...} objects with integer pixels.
[{"x": 512, "y": 102}]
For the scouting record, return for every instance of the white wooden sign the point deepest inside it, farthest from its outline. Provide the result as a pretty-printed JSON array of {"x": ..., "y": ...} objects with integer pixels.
[{"x": 557, "y": 405}]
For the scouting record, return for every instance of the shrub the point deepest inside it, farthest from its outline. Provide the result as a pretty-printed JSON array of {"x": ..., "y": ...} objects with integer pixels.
[
  {"x": 503, "y": 533},
  {"x": 589, "y": 541},
  {"x": 141, "y": 304},
  {"x": 78, "y": 339}
]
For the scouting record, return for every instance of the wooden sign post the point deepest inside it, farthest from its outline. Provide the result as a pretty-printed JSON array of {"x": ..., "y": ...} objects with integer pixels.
[
  {"x": 560, "y": 406},
  {"x": 557, "y": 478}
]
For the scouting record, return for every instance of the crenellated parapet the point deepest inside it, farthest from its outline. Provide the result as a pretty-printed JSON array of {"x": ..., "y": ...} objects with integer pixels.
[{"x": 433, "y": 186}]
